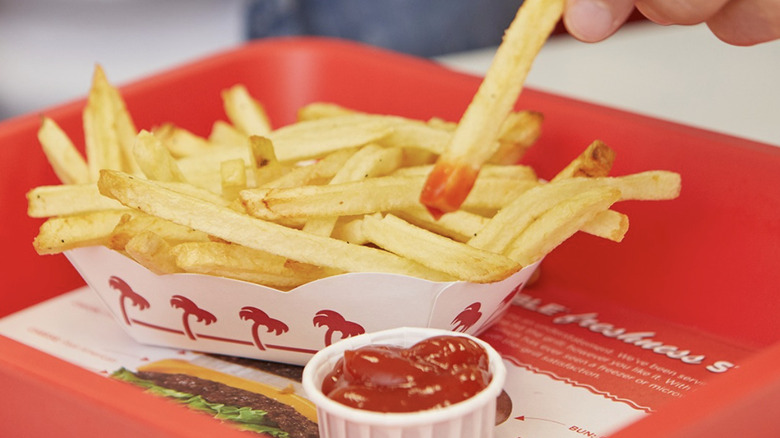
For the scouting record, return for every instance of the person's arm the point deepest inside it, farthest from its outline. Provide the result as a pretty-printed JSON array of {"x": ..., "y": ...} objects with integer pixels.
[{"x": 737, "y": 22}]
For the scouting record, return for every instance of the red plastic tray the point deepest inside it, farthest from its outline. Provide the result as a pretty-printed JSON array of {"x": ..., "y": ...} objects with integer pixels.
[{"x": 707, "y": 260}]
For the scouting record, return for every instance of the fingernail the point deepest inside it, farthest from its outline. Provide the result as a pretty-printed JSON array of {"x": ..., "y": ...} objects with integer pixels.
[{"x": 589, "y": 20}]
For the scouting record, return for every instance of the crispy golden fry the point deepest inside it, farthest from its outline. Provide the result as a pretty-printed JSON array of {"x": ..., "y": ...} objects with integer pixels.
[
  {"x": 223, "y": 133},
  {"x": 323, "y": 169},
  {"x": 368, "y": 162},
  {"x": 518, "y": 133},
  {"x": 497, "y": 233},
  {"x": 246, "y": 113},
  {"x": 65, "y": 160},
  {"x": 103, "y": 149},
  {"x": 234, "y": 178},
  {"x": 135, "y": 223},
  {"x": 475, "y": 140},
  {"x": 316, "y": 138},
  {"x": 232, "y": 226},
  {"x": 458, "y": 225},
  {"x": 509, "y": 171},
  {"x": 559, "y": 223},
  {"x": 608, "y": 224},
  {"x": 242, "y": 263},
  {"x": 152, "y": 252},
  {"x": 350, "y": 229},
  {"x": 62, "y": 233},
  {"x": 155, "y": 161},
  {"x": 437, "y": 252},
  {"x": 369, "y": 196},
  {"x": 179, "y": 141},
  {"x": 63, "y": 200},
  {"x": 322, "y": 110},
  {"x": 596, "y": 160}
]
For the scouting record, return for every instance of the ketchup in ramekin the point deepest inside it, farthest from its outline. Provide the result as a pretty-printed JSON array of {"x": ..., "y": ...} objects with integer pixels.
[{"x": 433, "y": 373}]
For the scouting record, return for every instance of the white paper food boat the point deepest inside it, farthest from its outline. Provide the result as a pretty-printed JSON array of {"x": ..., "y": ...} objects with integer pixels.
[{"x": 225, "y": 316}]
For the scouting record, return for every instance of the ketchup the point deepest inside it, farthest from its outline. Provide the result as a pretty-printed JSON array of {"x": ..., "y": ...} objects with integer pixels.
[{"x": 433, "y": 373}]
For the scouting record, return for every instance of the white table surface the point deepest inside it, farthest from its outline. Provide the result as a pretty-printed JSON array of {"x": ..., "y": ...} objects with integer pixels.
[{"x": 677, "y": 73}]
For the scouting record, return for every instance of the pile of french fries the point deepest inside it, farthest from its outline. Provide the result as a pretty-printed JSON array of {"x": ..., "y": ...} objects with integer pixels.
[{"x": 337, "y": 191}]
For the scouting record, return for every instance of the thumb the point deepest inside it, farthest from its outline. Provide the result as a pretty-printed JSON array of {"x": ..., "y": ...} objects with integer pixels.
[{"x": 595, "y": 20}]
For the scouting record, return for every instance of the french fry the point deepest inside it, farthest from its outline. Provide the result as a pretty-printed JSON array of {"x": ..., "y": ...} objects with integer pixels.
[
  {"x": 246, "y": 264},
  {"x": 152, "y": 252},
  {"x": 368, "y": 196},
  {"x": 246, "y": 113},
  {"x": 323, "y": 169},
  {"x": 596, "y": 160},
  {"x": 242, "y": 229},
  {"x": 67, "y": 163},
  {"x": 559, "y": 223},
  {"x": 155, "y": 161},
  {"x": 223, "y": 133},
  {"x": 316, "y": 138},
  {"x": 370, "y": 161},
  {"x": 59, "y": 234},
  {"x": 234, "y": 178},
  {"x": 103, "y": 149},
  {"x": 475, "y": 139},
  {"x": 437, "y": 252},
  {"x": 458, "y": 225},
  {"x": 63, "y": 200},
  {"x": 179, "y": 141},
  {"x": 519, "y": 132},
  {"x": 132, "y": 224}
]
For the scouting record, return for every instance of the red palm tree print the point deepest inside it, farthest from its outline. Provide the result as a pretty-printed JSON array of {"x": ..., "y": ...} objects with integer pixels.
[
  {"x": 336, "y": 323},
  {"x": 191, "y": 309},
  {"x": 260, "y": 318},
  {"x": 126, "y": 293},
  {"x": 467, "y": 318}
]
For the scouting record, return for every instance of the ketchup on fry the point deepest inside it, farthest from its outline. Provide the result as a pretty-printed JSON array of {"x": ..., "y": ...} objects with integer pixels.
[{"x": 433, "y": 373}]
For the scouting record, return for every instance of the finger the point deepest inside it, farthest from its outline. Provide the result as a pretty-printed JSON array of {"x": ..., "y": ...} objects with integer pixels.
[
  {"x": 595, "y": 20},
  {"x": 747, "y": 22},
  {"x": 681, "y": 11}
]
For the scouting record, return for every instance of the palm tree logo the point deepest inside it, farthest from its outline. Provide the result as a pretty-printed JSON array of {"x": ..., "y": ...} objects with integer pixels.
[
  {"x": 467, "y": 318},
  {"x": 258, "y": 318},
  {"x": 126, "y": 293},
  {"x": 336, "y": 323},
  {"x": 191, "y": 309}
]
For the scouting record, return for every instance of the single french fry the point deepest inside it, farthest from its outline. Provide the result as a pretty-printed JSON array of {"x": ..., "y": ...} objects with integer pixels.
[
  {"x": 368, "y": 196},
  {"x": 322, "y": 110},
  {"x": 519, "y": 132},
  {"x": 246, "y": 113},
  {"x": 595, "y": 161},
  {"x": 63, "y": 200},
  {"x": 234, "y": 178},
  {"x": 136, "y": 223},
  {"x": 152, "y": 252},
  {"x": 179, "y": 141},
  {"x": 324, "y": 168},
  {"x": 67, "y": 163},
  {"x": 223, "y": 133},
  {"x": 102, "y": 145},
  {"x": 475, "y": 139},
  {"x": 608, "y": 224},
  {"x": 316, "y": 138},
  {"x": 58, "y": 234},
  {"x": 232, "y": 226},
  {"x": 370, "y": 161},
  {"x": 246, "y": 264},
  {"x": 559, "y": 223},
  {"x": 155, "y": 161},
  {"x": 458, "y": 225},
  {"x": 437, "y": 252},
  {"x": 350, "y": 229}
]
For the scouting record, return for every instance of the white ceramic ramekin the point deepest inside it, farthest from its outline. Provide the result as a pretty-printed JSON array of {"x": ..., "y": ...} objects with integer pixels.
[{"x": 472, "y": 418}]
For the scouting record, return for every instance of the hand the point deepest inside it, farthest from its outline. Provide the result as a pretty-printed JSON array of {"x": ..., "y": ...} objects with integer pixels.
[{"x": 737, "y": 22}]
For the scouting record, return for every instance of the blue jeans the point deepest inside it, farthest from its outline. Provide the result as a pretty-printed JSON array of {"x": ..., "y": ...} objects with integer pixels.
[{"x": 419, "y": 27}]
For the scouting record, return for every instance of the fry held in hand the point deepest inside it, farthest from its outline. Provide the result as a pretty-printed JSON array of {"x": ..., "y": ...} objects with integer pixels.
[{"x": 475, "y": 139}]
